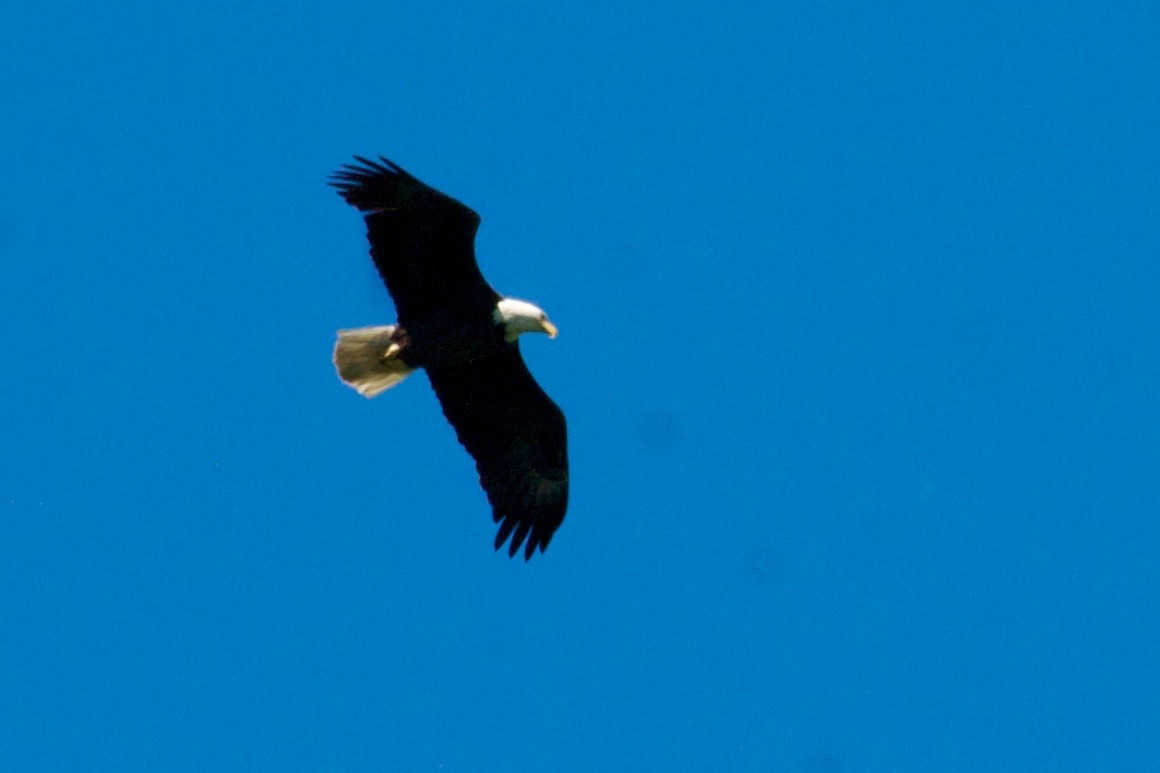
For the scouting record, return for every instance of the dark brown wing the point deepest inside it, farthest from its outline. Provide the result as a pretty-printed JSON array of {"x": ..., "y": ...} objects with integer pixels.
[
  {"x": 519, "y": 441},
  {"x": 423, "y": 244}
]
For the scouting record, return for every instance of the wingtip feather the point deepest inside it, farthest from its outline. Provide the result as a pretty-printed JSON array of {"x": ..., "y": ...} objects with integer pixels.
[
  {"x": 370, "y": 185},
  {"x": 504, "y": 530},
  {"x": 518, "y": 538}
]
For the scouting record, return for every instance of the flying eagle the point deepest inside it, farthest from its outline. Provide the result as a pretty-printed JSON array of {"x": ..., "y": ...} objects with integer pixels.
[{"x": 465, "y": 335}]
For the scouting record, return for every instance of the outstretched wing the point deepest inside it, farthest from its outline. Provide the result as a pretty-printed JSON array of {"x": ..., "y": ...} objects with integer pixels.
[
  {"x": 422, "y": 243},
  {"x": 519, "y": 441}
]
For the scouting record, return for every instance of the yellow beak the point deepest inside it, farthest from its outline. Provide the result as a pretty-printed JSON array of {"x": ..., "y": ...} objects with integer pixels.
[{"x": 550, "y": 329}]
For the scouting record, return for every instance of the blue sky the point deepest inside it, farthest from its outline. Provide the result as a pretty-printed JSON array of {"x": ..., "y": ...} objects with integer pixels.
[{"x": 858, "y": 309}]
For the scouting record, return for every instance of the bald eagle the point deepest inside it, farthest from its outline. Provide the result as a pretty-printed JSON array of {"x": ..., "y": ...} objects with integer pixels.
[{"x": 465, "y": 335}]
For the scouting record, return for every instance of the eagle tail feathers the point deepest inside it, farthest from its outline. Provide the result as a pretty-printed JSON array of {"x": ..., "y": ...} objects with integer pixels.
[{"x": 369, "y": 359}]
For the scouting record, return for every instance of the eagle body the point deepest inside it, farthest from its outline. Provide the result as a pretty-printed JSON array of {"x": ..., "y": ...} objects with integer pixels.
[
  {"x": 438, "y": 340},
  {"x": 464, "y": 335}
]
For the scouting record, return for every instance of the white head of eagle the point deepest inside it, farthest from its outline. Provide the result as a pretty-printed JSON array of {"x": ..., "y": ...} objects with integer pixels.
[
  {"x": 522, "y": 317},
  {"x": 456, "y": 327}
]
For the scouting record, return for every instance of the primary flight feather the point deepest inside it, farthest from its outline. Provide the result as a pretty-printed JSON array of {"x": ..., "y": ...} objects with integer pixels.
[{"x": 465, "y": 335}]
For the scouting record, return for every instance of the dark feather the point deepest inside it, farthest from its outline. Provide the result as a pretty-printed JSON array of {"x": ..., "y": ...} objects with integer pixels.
[
  {"x": 518, "y": 438},
  {"x": 505, "y": 530},
  {"x": 423, "y": 245}
]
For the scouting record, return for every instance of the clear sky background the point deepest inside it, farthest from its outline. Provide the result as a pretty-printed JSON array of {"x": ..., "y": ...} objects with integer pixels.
[{"x": 859, "y": 352}]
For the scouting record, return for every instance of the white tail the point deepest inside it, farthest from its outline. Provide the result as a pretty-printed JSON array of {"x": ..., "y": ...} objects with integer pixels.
[{"x": 367, "y": 359}]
